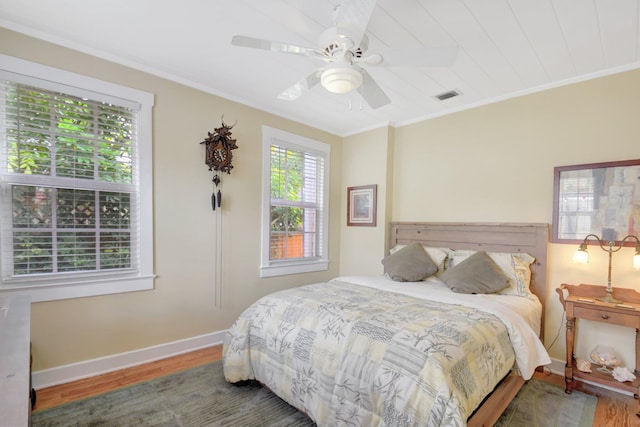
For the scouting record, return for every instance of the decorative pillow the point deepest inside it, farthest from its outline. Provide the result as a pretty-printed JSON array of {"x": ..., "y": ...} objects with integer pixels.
[
  {"x": 409, "y": 264},
  {"x": 477, "y": 274},
  {"x": 515, "y": 265},
  {"x": 437, "y": 255}
]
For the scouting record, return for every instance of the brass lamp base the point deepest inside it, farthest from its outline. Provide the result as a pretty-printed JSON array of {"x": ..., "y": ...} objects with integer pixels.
[{"x": 610, "y": 299}]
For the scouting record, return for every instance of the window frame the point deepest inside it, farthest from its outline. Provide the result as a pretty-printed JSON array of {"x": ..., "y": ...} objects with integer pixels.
[
  {"x": 268, "y": 267},
  {"x": 102, "y": 283}
]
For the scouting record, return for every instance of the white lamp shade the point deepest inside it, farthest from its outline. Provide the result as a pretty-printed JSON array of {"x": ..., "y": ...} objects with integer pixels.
[
  {"x": 581, "y": 257},
  {"x": 636, "y": 261},
  {"x": 341, "y": 77}
]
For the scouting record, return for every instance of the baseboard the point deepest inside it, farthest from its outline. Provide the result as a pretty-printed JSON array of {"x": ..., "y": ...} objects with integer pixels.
[
  {"x": 557, "y": 367},
  {"x": 89, "y": 368}
]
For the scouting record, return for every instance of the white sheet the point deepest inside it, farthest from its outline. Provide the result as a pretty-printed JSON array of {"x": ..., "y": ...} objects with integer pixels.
[{"x": 520, "y": 315}]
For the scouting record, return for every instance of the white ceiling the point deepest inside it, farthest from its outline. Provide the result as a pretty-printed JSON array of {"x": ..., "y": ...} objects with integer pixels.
[{"x": 506, "y": 48}]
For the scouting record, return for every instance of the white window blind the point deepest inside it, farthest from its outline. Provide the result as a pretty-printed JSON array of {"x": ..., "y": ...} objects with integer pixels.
[
  {"x": 69, "y": 165},
  {"x": 295, "y": 203},
  {"x": 70, "y": 178}
]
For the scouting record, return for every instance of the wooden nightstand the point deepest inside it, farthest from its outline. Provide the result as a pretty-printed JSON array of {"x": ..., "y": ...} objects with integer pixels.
[{"x": 581, "y": 303}]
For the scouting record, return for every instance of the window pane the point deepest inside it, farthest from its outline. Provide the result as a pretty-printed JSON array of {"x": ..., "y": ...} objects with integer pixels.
[
  {"x": 31, "y": 206},
  {"x": 76, "y": 251},
  {"x": 32, "y": 253},
  {"x": 294, "y": 203},
  {"x": 76, "y": 208},
  {"x": 74, "y": 157},
  {"x": 74, "y": 143},
  {"x": 115, "y": 250},
  {"x": 115, "y": 150},
  {"x": 288, "y": 237},
  {"x": 29, "y": 156},
  {"x": 28, "y": 120},
  {"x": 310, "y": 233},
  {"x": 115, "y": 209},
  {"x": 83, "y": 131},
  {"x": 278, "y": 168},
  {"x": 287, "y": 173}
]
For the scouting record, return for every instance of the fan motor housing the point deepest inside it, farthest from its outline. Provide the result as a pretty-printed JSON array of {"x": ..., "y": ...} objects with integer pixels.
[{"x": 333, "y": 41}]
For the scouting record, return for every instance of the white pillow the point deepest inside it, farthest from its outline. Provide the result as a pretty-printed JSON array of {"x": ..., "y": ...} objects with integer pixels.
[
  {"x": 437, "y": 255},
  {"x": 517, "y": 266}
]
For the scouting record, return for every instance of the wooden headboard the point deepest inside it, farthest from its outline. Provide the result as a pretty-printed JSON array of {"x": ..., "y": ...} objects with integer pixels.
[{"x": 491, "y": 237}]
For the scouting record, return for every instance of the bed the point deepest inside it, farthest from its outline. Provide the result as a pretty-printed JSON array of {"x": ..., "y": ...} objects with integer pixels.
[{"x": 375, "y": 351}]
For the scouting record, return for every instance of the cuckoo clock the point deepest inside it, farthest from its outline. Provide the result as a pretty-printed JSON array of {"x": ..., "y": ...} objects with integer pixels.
[{"x": 219, "y": 157}]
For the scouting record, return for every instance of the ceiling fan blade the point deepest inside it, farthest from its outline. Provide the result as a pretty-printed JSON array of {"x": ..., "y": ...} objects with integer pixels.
[
  {"x": 245, "y": 41},
  {"x": 352, "y": 17},
  {"x": 371, "y": 92},
  {"x": 294, "y": 92},
  {"x": 412, "y": 57}
]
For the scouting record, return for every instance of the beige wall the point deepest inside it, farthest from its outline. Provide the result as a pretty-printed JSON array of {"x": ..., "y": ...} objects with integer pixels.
[
  {"x": 182, "y": 303},
  {"x": 495, "y": 163},
  {"x": 370, "y": 158}
]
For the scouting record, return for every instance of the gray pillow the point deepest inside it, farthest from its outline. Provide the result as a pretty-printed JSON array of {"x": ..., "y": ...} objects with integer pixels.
[
  {"x": 409, "y": 264},
  {"x": 478, "y": 274}
]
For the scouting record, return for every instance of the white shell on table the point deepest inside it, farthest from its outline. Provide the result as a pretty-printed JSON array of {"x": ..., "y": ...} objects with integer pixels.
[
  {"x": 605, "y": 356},
  {"x": 583, "y": 365},
  {"x": 623, "y": 374}
]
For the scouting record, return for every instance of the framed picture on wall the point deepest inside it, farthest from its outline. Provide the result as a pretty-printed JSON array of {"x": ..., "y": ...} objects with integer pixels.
[
  {"x": 597, "y": 198},
  {"x": 361, "y": 205}
]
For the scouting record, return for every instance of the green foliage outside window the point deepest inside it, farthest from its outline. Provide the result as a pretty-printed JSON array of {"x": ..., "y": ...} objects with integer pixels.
[
  {"x": 60, "y": 229},
  {"x": 287, "y": 173},
  {"x": 293, "y": 201}
]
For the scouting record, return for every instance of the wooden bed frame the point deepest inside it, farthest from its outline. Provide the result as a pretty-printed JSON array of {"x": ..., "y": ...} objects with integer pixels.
[{"x": 491, "y": 237}]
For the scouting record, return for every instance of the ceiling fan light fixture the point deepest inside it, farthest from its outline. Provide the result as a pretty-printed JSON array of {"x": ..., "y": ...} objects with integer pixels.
[{"x": 341, "y": 78}]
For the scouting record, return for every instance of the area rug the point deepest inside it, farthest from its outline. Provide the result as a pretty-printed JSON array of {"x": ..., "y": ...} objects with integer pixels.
[{"x": 201, "y": 397}]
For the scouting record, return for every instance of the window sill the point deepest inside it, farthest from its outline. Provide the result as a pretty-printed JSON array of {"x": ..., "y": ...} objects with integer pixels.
[
  {"x": 89, "y": 288},
  {"x": 296, "y": 267}
]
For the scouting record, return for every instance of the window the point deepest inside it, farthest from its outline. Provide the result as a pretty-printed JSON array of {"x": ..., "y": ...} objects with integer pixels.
[
  {"x": 295, "y": 204},
  {"x": 72, "y": 162}
]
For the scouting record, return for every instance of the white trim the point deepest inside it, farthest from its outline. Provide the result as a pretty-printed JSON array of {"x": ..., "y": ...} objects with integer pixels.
[
  {"x": 295, "y": 268},
  {"x": 102, "y": 365},
  {"x": 88, "y": 288}
]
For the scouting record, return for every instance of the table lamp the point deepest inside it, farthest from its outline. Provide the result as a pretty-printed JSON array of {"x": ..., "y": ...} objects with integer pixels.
[{"x": 582, "y": 257}]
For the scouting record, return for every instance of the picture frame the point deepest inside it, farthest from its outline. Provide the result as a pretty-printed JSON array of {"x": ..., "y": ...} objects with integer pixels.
[
  {"x": 596, "y": 198},
  {"x": 362, "y": 205}
]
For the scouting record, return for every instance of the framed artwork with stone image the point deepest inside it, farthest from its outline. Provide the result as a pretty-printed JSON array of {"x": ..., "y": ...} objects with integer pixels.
[
  {"x": 597, "y": 198},
  {"x": 361, "y": 205}
]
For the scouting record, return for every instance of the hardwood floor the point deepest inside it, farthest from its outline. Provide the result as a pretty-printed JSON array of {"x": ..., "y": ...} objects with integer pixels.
[
  {"x": 64, "y": 393},
  {"x": 613, "y": 409}
]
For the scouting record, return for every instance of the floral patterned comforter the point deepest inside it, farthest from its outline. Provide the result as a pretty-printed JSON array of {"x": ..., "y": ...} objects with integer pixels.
[{"x": 350, "y": 355}]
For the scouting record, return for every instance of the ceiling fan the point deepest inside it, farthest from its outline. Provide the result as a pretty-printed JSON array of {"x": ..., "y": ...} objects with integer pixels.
[{"x": 344, "y": 47}]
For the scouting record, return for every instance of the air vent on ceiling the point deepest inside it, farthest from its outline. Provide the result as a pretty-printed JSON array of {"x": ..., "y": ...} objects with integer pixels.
[{"x": 447, "y": 95}]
